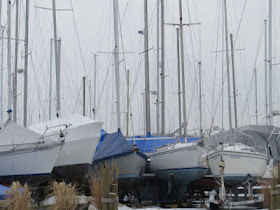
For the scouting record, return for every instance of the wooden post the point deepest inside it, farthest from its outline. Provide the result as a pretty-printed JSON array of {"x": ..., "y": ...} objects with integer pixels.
[
  {"x": 114, "y": 189},
  {"x": 273, "y": 196},
  {"x": 277, "y": 204},
  {"x": 105, "y": 181},
  {"x": 113, "y": 205}
]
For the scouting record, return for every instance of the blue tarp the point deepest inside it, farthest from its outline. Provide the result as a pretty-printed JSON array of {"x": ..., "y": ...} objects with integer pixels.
[
  {"x": 3, "y": 189},
  {"x": 148, "y": 144},
  {"x": 113, "y": 145}
]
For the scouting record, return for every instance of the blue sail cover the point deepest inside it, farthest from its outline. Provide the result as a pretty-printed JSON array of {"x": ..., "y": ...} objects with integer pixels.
[
  {"x": 148, "y": 144},
  {"x": 113, "y": 145},
  {"x": 3, "y": 189}
]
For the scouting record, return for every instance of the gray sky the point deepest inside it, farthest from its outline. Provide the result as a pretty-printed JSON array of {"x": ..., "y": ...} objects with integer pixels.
[{"x": 88, "y": 29}]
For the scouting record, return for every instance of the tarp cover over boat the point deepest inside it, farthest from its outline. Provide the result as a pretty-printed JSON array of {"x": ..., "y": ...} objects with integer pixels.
[
  {"x": 148, "y": 144},
  {"x": 3, "y": 190},
  {"x": 113, "y": 145},
  {"x": 257, "y": 136}
]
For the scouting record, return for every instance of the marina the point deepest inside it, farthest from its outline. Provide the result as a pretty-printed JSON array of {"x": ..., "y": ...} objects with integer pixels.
[{"x": 121, "y": 104}]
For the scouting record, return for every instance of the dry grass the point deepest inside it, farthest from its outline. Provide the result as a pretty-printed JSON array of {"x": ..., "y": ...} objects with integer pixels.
[
  {"x": 19, "y": 197},
  {"x": 101, "y": 177},
  {"x": 65, "y": 196}
]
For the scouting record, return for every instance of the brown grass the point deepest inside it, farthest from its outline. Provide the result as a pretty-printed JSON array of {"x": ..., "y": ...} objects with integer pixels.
[
  {"x": 65, "y": 196},
  {"x": 19, "y": 197},
  {"x": 100, "y": 179}
]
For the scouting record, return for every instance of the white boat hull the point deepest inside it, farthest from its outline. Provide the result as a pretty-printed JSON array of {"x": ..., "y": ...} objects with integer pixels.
[
  {"x": 238, "y": 165},
  {"x": 181, "y": 165},
  {"x": 30, "y": 164}
]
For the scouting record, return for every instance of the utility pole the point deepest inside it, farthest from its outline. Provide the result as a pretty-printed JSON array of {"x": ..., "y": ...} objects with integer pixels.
[
  {"x": 26, "y": 63},
  {"x": 147, "y": 77},
  {"x": 233, "y": 81},
  {"x": 16, "y": 66},
  {"x": 179, "y": 79}
]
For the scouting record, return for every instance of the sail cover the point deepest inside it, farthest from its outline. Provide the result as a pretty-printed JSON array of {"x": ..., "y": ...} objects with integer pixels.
[
  {"x": 262, "y": 137},
  {"x": 113, "y": 145}
]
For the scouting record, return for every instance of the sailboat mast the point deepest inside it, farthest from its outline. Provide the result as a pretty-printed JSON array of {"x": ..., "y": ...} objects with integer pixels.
[
  {"x": 2, "y": 58},
  {"x": 2, "y": 62},
  {"x": 270, "y": 62},
  {"x": 228, "y": 74},
  {"x": 9, "y": 56},
  {"x": 50, "y": 87},
  {"x": 157, "y": 100},
  {"x": 57, "y": 70},
  {"x": 94, "y": 86},
  {"x": 162, "y": 71},
  {"x": 127, "y": 112},
  {"x": 183, "y": 70},
  {"x": 16, "y": 66},
  {"x": 84, "y": 96},
  {"x": 26, "y": 63},
  {"x": 116, "y": 54},
  {"x": 179, "y": 80},
  {"x": 233, "y": 81},
  {"x": 265, "y": 71},
  {"x": 147, "y": 82},
  {"x": 200, "y": 100},
  {"x": 256, "y": 96}
]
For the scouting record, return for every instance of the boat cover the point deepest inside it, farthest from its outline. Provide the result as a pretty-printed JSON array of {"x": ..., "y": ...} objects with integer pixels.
[
  {"x": 3, "y": 190},
  {"x": 148, "y": 144},
  {"x": 113, "y": 145},
  {"x": 258, "y": 136}
]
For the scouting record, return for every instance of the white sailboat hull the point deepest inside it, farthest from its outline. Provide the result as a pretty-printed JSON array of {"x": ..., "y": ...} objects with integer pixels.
[
  {"x": 238, "y": 165},
  {"x": 32, "y": 164},
  {"x": 182, "y": 164}
]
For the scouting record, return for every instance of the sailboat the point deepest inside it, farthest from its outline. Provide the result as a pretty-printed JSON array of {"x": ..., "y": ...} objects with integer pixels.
[
  {"x": 234, "y": 163},
  {"x": 27, "y": 156},
  {"x": 81, "y": 140},
  {"x": 181, "y": 162}
]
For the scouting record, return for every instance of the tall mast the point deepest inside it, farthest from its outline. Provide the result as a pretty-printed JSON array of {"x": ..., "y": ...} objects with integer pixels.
[
  {"x": 256, "y": 96},
  {"x": 9, "y": 56},
  {"x": 16, "y": 64},
  {"x": 56, "y": 61},
  {"x": 50, "y": 88},
  {"x": 2, "y": 62},
  {"x": 162, "y": 71},
  {"x": 127, "y": 112},
  {"x": 270, "y": 62},
  {"x": 228, "y": 74},
  {"x": 183, "y": 70},
  {"x": 157, "y": 100},
  {"x": 26, "y": 63},
  {"x": 265, "y": 71},
  {"x": 233, "y": 81},
  {"x": 200, "y": 100},
  {"x": 147, "y": 82},
  {"x": 179, "y": 80},
  {"x": 84, "y": 96},
  {"x": 116, "y": 54},
  {"x": 2, "y": 58},
  {"x": 94, "y": 86}
]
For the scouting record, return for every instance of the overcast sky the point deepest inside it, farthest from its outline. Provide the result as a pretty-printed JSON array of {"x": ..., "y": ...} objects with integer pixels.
[{"x": 88, "y": 30}]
